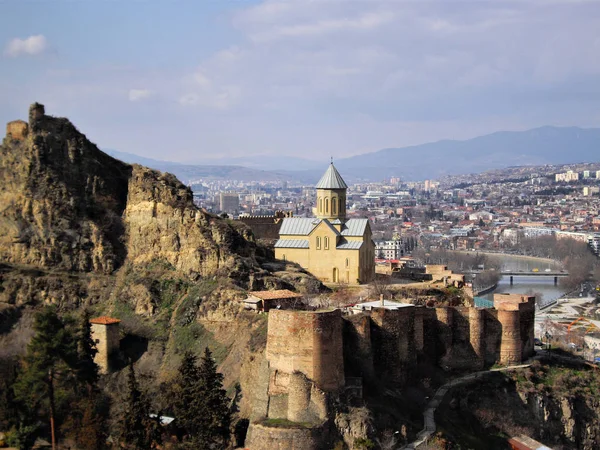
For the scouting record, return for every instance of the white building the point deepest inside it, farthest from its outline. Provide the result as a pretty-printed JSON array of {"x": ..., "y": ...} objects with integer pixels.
[
  {"x": 567, "y": 176},
  {"x": 394, "y": 249}
]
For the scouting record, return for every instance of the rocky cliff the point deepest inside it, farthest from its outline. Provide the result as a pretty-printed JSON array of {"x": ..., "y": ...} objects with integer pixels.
[
  {"x": 67, "y": 205},
  {"x": 79, "y": 228},
  {"x": 554, "y": 402}
]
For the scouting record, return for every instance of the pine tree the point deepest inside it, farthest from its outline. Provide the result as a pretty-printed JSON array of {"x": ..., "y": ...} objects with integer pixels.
[
  {"x": 216, "y": 431},
  {"x": 87, "y": 369},
  {"x": 201, "y": 404},
  {"x": 46, "y": 362},
  {"x": 139, "y": 430},
  {"x": 187, "y": 401},
  {"x": 88, "y": 410}
]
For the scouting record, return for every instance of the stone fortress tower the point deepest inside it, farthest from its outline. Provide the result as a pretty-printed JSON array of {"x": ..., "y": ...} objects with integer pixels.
[
  {"x": 315, "y": 359},
  {"x": 106, "y": 335}
]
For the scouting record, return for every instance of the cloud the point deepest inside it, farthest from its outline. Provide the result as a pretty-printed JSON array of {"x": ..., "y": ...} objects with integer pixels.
[
  {"x": 33, "y": 45},
  {"x": 136, "y": 95}
]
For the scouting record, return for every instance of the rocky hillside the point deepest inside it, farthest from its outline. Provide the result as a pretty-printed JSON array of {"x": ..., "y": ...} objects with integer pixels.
[
  {"x": 81, "y": 229},
  {"x": 554, "y": 402},
  {"x": 67, "y": 205}
]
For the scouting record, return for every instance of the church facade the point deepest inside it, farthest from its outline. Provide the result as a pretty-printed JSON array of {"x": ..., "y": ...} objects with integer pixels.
[{"x": 329, "y": 246}]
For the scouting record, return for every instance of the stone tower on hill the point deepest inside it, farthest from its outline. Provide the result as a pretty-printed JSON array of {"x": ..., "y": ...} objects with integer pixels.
[
  {"x": 331, "y": 247},
  {"x": 106, "y": 335}
]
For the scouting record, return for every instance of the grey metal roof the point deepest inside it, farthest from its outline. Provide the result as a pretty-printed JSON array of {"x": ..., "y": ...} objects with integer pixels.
[
  {"x": 331, "y": 179},
  {"x": 291, "y": 243},
  {"x": 300, "y": 226},
  {"x": 349, "y": 245},
  {"x": 355, "y": 227},
  {"x": 331, "y": 227}
]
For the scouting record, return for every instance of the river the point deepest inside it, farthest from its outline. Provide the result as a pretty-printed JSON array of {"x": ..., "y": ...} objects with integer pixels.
[{"x": 528, "y": 284}]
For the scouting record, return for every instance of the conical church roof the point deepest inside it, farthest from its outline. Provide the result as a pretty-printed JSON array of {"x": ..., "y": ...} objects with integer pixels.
[{"x": 332, "y": 179}]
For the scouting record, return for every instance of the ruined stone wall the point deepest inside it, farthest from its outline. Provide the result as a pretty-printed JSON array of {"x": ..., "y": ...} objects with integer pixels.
[
  {"x": 492, "y": 338},
  {"x": 476, "y": 336},
  {"x": 262, "y": 437},
  {"x": 430, "y": 334},
  {"x": 358, "y": 350},
  {"x": 510, "y": 345},
  {"x": 394, "y": 351},
  {"x": 263, "y": 227},
  {"x": 516, "y": 314},
  {"x": 444, "y": 333},
  {"x": 527, "y": 327},
  {"x": 308, "y": 342},
  {"x": 17, "y": 129}
]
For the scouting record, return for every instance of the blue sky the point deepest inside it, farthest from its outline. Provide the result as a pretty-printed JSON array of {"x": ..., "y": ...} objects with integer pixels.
[{"x": 190, "y": 80}]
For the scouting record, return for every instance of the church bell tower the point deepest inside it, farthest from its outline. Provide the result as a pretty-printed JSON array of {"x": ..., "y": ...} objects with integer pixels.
[{"x": 331, "y": 195}]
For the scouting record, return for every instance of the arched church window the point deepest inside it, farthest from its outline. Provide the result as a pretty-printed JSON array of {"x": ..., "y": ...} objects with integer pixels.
[
  {"x": 326, "y": 205},
  {"x": 334, "y": 205}
]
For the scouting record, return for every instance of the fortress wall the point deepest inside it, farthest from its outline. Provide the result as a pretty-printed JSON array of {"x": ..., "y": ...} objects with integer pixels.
[
  {"x": 358, "y": 351},
  {"x": 395, "y": 355},
  {"x": 527, "y": 328},
  {"x": 476, "y": 335},
  {"x": 328, "y": 362},
  {"x": 308, "y": 342},
  {"x": 462, "y": 354},
  {"x": 492, "y": 338},
  {"x": 516, "y": 313},
  {"x": 510, "y": 345},
  {"x": 299, "y": 398},
  {"x": 430, "y": 334},
  {"x": 263, "y": 227},
  {"x": 418, "y": 328},
  {"x": 17, "y": 129},
  {"x": 445, "y": 333},
  {"x": 290, "y": 341},
  {"x": 261, "y": 437}
]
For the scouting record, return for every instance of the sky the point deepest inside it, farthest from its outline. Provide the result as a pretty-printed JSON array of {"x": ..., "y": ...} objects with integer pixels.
[{"x": 190, "y": 80}]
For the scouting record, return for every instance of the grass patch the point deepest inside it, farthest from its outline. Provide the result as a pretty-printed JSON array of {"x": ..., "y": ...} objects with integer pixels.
[
  {"x": 196, "y": 338},
  {"x": 284, "y": 423}
]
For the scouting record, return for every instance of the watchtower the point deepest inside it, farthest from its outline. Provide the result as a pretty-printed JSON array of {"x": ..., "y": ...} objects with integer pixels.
[
  {"x": 17, "y": 129},
  {"x": 105, "y": 333}
]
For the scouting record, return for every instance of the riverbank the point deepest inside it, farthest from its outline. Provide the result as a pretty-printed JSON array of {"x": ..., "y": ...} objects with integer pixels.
[{"x": 527, "y": 259}]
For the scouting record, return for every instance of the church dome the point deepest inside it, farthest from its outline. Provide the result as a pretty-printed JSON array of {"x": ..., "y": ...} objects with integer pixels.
[{"x": 331, "y": 179}]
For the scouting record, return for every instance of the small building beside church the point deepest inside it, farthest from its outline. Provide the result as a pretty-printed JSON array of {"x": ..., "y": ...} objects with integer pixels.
[{"x": 331, "y": 247}]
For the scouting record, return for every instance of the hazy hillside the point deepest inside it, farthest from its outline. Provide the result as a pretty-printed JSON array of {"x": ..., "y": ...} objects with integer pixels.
[
  {"x": 189, "y": 172},
  {"x": 545, "y": 145}
]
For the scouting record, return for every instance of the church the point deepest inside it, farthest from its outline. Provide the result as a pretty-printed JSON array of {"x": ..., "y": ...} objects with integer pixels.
[{"x": 333, "y": 249}]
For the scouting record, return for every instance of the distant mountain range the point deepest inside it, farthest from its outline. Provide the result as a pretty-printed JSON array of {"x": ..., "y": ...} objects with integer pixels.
[{"x": 544, "y": 145}]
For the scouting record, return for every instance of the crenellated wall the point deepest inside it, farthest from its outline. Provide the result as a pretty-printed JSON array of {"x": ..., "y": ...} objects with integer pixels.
[
  {"x": 309, "y": 342},
  {"x": 309, "y": 354},
  {"x": 394, "y": 351}
]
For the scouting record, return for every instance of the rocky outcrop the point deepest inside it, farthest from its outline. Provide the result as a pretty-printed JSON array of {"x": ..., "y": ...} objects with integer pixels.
[
  {"x": 67, "y": 205},
  {"x": 61, "y": 199}
]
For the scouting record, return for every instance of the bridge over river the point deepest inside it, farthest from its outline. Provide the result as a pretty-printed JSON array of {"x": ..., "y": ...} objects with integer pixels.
[{"x": 521, "y": 273}]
